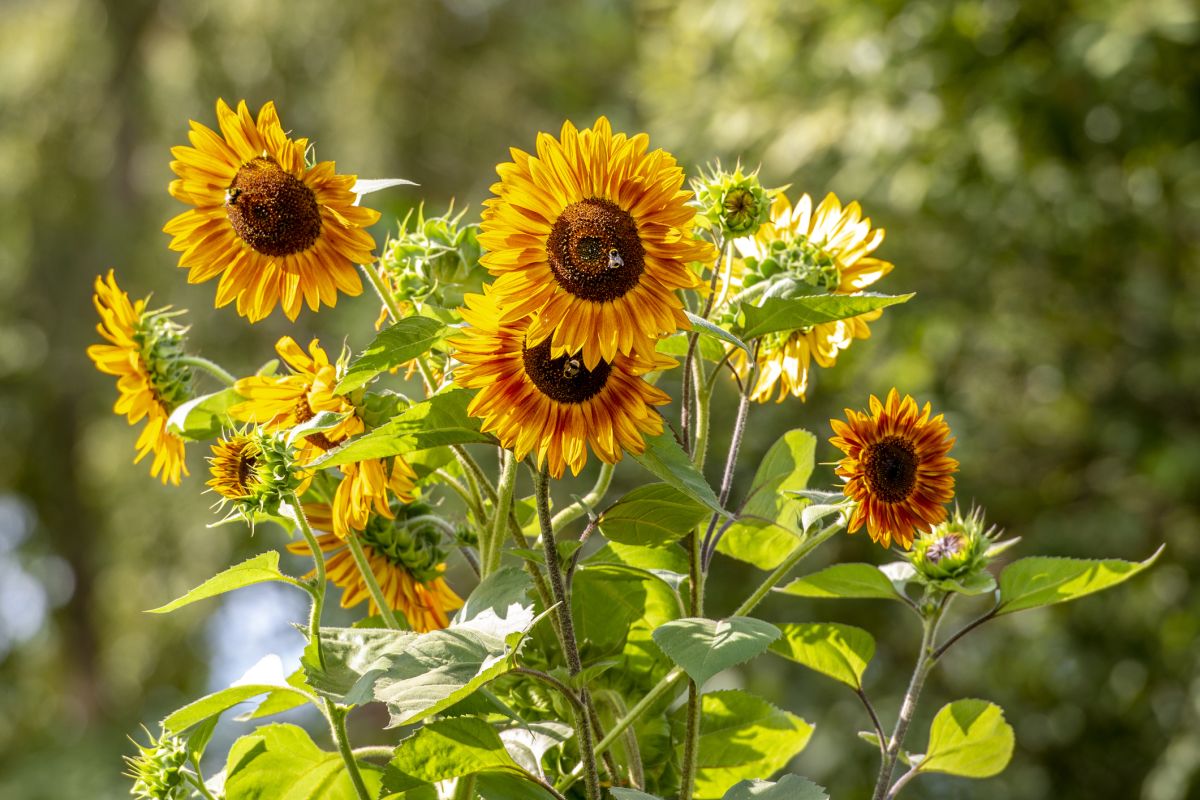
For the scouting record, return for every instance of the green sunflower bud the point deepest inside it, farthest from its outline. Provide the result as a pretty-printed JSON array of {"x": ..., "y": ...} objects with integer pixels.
[
  {"x": 162, "y": 349},
  {"x": 433, "y": 259},
  {"x": 733, "y": 202},
  {"x": 414, "y": 539},
  {"x": 255, "y": 472},
  {"x": 954, "y": 555},
  {"x": 158, "y": 769}
]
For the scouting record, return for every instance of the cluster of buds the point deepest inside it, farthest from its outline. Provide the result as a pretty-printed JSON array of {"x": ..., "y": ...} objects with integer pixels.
[
  {"x": 732, "y": 202},
  {"x": 435, "y": 261},
  {"x": 794, "y": 266}
]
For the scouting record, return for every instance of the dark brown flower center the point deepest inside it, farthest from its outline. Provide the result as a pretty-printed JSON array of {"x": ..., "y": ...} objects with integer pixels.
[
  {"x": 564, "y": 379},
  {"x": 594, "y": 250},
  {"x": 891, "y": 469},
  {"x": 272, "y": 211},
  {"x": 303, "y": 412}
]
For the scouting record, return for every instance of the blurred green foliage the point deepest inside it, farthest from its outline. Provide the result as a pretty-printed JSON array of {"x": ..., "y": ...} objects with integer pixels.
[{"x": 1037, "y": 166}]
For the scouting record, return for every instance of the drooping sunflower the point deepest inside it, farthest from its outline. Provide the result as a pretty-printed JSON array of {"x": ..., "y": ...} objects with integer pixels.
[
  {"x": 276, "y": 230},
  {"x": 823, "y": 250},
  {"x": 281, "y": 402},
  {"x": 143, "y": 351},
  {"x": 554, "y": 406},
  {"x": 254, "y": 472},
  {"x": 594, "y": 236},
  {"x": 367, "y": 487},
  {"x": 896, "y": 468},
  {"x": 407, "y": 565}
]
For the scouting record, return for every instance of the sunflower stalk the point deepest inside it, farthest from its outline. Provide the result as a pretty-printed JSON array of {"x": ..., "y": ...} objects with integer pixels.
[
  {"x": 691, "y": 387},
  {"x": 211, "y": 367},
  {"x": 709, "y": 546},
  {"x": 372, "y": 584},
  {"x": 317, "y": 589},
  {"x": 492, "y": 543},
  {"x": 337, "y": 725}
]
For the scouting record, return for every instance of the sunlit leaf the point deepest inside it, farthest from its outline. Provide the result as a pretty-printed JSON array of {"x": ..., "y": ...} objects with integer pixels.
[
  {"x": 855, "y": 581},
  {"x": 704, "y": 647},
  {"x": 281, "y": 761},
  {"x": 968, "y": 738},
  {"x": 261, "y": 568},
  {"x": 707, "y": 328},
  {"x": 444, "y": 749},
  {"x": 794, "y": 313},
  {"x": 665, "y": 458},
  {"x": 204, "y": 417},
  {"x": 1043, "y": 581},
  {"x": 840, "y": 651},
  {"x": 393, "y": 346},
  {"x": 652, "y": 515},
  {"x": 789, "y": 787}
]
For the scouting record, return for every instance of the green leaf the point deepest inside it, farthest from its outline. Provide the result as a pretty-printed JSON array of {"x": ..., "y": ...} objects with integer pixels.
[
  {"x": 631, "y": 794},
  {"x": 349, "y": 653},
  {"x": 677, "y": 345},
  {"x": 665, "y": 458},
  {"x": 968, "y": 738},
  {"x": 449, "y": 748},
  {"x": 1043, "y": 581},
  {"x": 652, "y": 516},
  {"x": 219, "y": 702},
  {"x": 785, "y": 468},
  {"x": 440, "y": 420},
  {"x": 854, "y": 581},
  {"x": 794, "y": 313},
  {"x": 716, "y": 331},
  {"x": 704, "y": 647},
  {"x": 321, "y": 422},
  {"x": 840, "y": 651},
  {"x": 410, "y": 337},
  {"x": 281, "y": 761},
  {"x": 507, "y": 786},
  {"x": 497, "y": 593},
  {"x": 261, "y": 568},
  {"x": 741, "y": 737},
  {"x": 789, "y": 787},
  {"x": 204, "y": 417}
]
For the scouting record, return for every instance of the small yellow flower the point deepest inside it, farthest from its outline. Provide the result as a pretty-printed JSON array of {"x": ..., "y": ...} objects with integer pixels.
[
  {"x": 368, "y": 486},
  {"x": 143, "y": 352}
]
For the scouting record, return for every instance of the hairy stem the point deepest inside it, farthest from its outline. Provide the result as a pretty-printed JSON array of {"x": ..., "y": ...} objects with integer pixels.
[
  {"x": 318, "y": 589},
  {"x": 368, "y": 576},
  {"x": 709, "y": 546},
  {"x": 691, "y": 742},
  {"x": 211, "y": 367},
  {"x": 383, "y": 290},
  {"x": 493, "y": 545},
  {"x": 337, "y": 724}
]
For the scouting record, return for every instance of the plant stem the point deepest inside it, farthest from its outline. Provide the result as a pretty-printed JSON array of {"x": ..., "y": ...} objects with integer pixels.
[
  {"x": 554, "y": 683},
  {"x": 464, "y": 789},
  {"x": 709, "y": 545},
  {"x": 197, "y": 780},
  {"x": 875, "y": 723},
  {"x": 901, "y": 782},
  {"x": 588, "y": 501},
  {"x": 567, "y": 626},
  {"x": 318, "y": 590},
  {"x": 383, "y": 290},
  {"x": 691, "y": 742},
  {"x": 211, "y": 367},
  {"x": 970, "y": 626},
  {"x": 689, "y": 385},
  {"x": 787, "y": 565},
  {"x": 368, "y": 576},
  {"x": 378, "y": 751},
  {"x": 337, "y": 724},
  {"x": 703, "y": 404},
  {"x": 493, "y": 544}
]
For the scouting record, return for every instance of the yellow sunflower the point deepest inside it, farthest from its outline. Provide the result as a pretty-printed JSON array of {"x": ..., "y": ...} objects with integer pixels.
[
  {"x": 281, "y": 402},
  {"x": 368, "y": 486},
  {"x": 896, "y": 468},
  {"x": 407, "y": 565},
  {"x": 823, "y": 250},
  {"x": 555, "y": 406},
  {"x": 274, "y": 229},
  {"x": 594, "y": 235},
  {"x": 143, "y": 351}
]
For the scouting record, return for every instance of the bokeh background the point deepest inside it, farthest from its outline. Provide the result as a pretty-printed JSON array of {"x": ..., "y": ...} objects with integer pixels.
[{"x": 1036, "y": 165}]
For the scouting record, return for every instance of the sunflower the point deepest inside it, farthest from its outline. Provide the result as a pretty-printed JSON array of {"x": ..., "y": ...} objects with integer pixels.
[
  {"x": 896, "y": 468},
  {"x": 407, "y": 565},
  {"x": 593, "y": 234},
  {"x": 144, "y": 352},
  {"x": 554, "y": 405},
  {"x": 823, "y": 250},
  {"x": 274, "y": 229},
  {"x": 368, "y": 486},
  {"x": 255, "y": 472},
  {"x": 281, "y": 402}
]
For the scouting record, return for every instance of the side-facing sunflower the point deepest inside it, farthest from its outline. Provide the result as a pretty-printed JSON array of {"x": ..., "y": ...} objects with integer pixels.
[
  {"x": 554, "y": 406},
  {"x": 281, "y": 402},
  {"x": 594, "y": 235},
  {"x": 407, "y": 564},
  {"x": 826, "y": 249},
  {"x": 896, "y": 468},
  {"x": 368, "y": 487},
  {"x": 143, "y": 351},
  {"x": 276, "y": 230}
]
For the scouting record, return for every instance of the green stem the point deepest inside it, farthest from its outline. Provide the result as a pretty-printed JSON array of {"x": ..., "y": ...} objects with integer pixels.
[
  {"x": 318, "y": 589},
  {"x": 337, "y": 724},
  {"x": 691, "y": 742},
  {"x": 703, "y": 404},
  {"x": 377, "y": 751},
  {"x": 197, "y": 780},
  {"x": 211, "y": 367},
  {"x": 465, "y": 788},
  {"x": 588, "y": 501},
  {"x": 383, "y": 290},
  {"x": 493, "y": 545},
  {"x": 368, "y": 576}
]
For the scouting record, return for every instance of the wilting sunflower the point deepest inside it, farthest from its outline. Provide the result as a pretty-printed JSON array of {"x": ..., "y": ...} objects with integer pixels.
[
  {"x": 407, "y": 565},
  {"x": 144, "y": 353},
  {"x": 275, "y": 229},
  {"x": 896, "y": 468},
  {"x": 593, "y": 234},
  {"x": 826, "y": 250},
  {"x": 551, "y": 405},
  {"x": 281, "y": 402},
  {"x": 368, "y": 486}
]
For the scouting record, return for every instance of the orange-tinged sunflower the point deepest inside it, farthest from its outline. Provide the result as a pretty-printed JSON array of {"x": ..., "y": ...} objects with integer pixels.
[
  {"x": 823, "y": 250},
  {"x": 143, "y": 351},
  {"x": 896, "y": 468},
  {"x": 368, "y": 486},
  {"x": 594, "y": 235},
  {"x": 407, "y": 565},
  {"x": 281, "y": 402},
  {"x": 554, "y": 406},
  {"x": 276, "y": 230}
]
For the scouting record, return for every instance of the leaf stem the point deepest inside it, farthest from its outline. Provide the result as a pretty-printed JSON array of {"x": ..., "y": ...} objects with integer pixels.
[
  {"x": 464, "y": 787},
  {"x": 566, "y": 691},
  {"x": 685, "y": 406},
  {"x": 709, "y": 547},
  {"x": 383, "y": 290},
  {"x": 875, "y": 723},
  {"x": 197, "y": 780},
  {"x": 368, "y": 576},
  {"x": 588, "y": 501},
  {"x": 318, "y": 589},
  {"x": 787, "y": 565},
  {"x": 337, "y": 724},
  {"x": 211, "y": 367},
  {"x": 970, "y": 626}
]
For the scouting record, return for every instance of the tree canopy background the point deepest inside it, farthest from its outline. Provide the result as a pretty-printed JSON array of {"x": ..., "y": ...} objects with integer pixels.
[{"x": 1037, "y": 166}]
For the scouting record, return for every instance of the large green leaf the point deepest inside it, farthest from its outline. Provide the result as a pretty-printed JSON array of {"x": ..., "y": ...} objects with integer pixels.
[
  {"x": 440, "y": 420},
  {"x": 794, "y": 313},
  {"x": 261, "y": 568},
  {"x": 771, "y": 526},
  {"x": 854, "y": 581},
  {"x": 497, "y": 593},
  {"x": 631, "y": 794},
  {"x": 652, "y": 515},
  {"x": 410, "y": 337},
  {"x": 281, "y": 761},
  {"x": 968, "y": 738},
  {"x": 349, "y": 653},
  {"x": 704, "y": 647},
  {"x": 204, "y": 417},
  {"x": 741, "y": 737},
  {"x": 665, "y": 458},
  {"x": 789, "y": 787},
  {"x": 218, "y": 702},
  {"x": 448, "y": 748},
  {"x": 1043, "y": 581},
  {"x": 840, "y": 651},
  {"x": 703, "y": 326}
]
